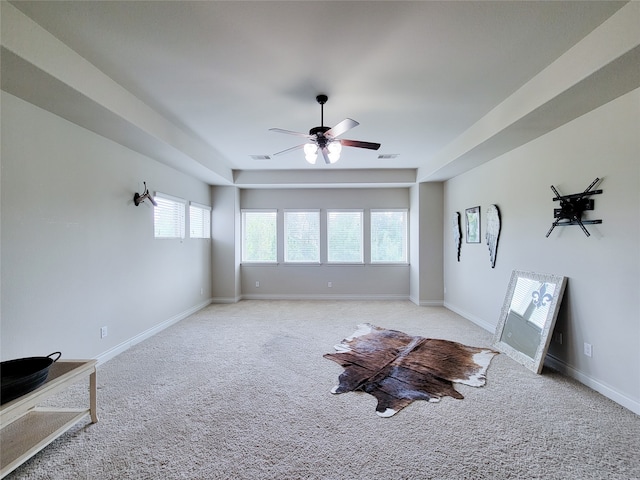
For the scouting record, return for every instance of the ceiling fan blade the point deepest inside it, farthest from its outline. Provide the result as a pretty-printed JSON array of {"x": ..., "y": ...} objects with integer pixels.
[
  {"x": 297, "y": 147},
  {"x": 325, "y": 154},
  {"x": 359, "y": 144},
  {"x": 289, "y": 132},
  {"x": 342, "y": 127}
]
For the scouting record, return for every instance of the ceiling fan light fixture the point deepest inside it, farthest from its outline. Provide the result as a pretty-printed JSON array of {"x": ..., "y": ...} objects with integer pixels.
[
  {"x": 311, "y": 153},
  {"x": 326, "y": 139},
  {"x": 334, "y": 151}
]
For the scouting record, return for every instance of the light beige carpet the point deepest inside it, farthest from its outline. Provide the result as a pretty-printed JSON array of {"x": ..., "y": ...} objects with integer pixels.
[{"x": 242, "y": 392}]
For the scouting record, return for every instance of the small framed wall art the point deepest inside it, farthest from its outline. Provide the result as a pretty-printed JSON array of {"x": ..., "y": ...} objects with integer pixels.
[{"x": 472, "y": 216}]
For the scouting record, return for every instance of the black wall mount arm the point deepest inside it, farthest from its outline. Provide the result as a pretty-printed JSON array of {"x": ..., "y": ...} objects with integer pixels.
[
  {"x": 572, "y": 207},
  {"x": 139, "y": 198}
]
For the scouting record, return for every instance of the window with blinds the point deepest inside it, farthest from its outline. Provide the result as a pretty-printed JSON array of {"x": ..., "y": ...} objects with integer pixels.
[
  {"x": 199, "y": 221},
  {"x": 344, "y": 236},
  {"x": 259, "y": 236},
  {"x": 168, "y": 216},
  {"x": 389, "y": 236},
  {"x": 302, "y": 236}
]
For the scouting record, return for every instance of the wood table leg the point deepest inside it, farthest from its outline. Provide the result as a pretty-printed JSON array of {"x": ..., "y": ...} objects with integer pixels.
[{"x": 93, "y": 397}]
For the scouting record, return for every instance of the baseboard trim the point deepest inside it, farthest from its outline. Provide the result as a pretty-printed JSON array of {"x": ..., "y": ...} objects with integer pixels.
[
  {"x": 114, "y": 351},
  {"x": 562, "y": 367},
  {"x": 426, "y": 303},
  {"x": 431, "y": 303},
  {"x": 226, "y": 299},
  {"x": 472, "y": 318},
  {"x": 325, "y": 297},
  {"x": 599, "y": 387}
]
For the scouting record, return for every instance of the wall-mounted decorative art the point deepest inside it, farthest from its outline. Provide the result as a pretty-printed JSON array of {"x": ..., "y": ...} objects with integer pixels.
[
  {"x": 493, "y": 232},
  {"x": 572, "y": 208},
  {"x": 472, "y": 216},
  {"x": 457, "y": 233}
]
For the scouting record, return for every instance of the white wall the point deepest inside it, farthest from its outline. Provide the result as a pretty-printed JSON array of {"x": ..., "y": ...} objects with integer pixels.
[
  {"x": 225, "y": 233},
  {"x": 348, "y": 281},
  {"x": 426, "y": 276},
  {"x": 77, "y": 254},
  {"x": 601, "y": 305}
]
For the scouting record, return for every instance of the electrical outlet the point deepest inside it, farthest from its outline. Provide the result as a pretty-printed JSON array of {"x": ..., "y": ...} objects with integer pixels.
[
  {"x": 202, "y": 291},
  {"x": 557, "y": 337},
  {"x": 329, "y": 284},
  {"x": 103, "y": 332},
  {"x": 588, "y": 350},
  {"x": 257, "y": 284}
]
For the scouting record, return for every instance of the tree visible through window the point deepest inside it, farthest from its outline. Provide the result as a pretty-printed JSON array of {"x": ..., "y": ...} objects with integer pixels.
[
  {"x": 388, "y": 236},
  {"x": 302, "y": 236},
  {"x": 259, "y": 236},
  {"x": 344, "y": 236}
]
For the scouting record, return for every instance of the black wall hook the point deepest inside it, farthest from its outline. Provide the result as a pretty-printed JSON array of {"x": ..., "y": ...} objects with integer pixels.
[{"x": 138, "y": 199}]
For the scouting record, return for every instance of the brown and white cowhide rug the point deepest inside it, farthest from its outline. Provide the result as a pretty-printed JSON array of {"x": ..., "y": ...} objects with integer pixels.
[{"x": 397, "y": 368}]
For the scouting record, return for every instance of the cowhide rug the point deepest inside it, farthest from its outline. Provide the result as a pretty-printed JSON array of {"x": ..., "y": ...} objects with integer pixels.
[{"x": 397, "y": 368}]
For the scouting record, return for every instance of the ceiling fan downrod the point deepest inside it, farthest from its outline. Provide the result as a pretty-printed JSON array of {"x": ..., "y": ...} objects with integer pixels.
[
  {"x": 322, "y": 99},
  {"x": 318, "y": 132}
]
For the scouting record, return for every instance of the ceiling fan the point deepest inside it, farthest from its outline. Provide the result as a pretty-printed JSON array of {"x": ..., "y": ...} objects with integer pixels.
[{"x": 326, "y": 139}]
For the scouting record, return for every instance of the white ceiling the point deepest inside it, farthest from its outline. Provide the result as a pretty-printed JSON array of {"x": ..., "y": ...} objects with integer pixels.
[{"x": 416, "y": 75}]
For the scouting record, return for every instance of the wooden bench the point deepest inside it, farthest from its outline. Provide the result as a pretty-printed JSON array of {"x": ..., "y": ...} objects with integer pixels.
[{"x": 26, "y": 428}]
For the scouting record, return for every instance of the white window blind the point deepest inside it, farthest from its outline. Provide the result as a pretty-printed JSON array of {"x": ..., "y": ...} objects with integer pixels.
[
  {"x": 168, "y": 216},
  {"x": 259, "y": 236},
  {"x": 389, "y": 236},
  {"x": 344, "y": 236},
  {"x": 529, "y": 300},
  {"x": 199, "y": 221},
  {"x": 302, "y": 236}
]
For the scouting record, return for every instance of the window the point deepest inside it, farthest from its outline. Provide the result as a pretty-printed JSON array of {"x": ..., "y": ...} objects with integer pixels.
[
  {"x": 168, "y": 216},
  {"x": 388, "y": 236},
  {"x": 344, "y": 236},
  {"x": 199, "y": 221},
  {"x": 302, "y": 236},
  {"x": 259, "y": 236}
]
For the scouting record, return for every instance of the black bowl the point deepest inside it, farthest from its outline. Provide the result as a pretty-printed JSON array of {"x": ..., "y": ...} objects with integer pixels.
[{"x": 23, "y": 375}]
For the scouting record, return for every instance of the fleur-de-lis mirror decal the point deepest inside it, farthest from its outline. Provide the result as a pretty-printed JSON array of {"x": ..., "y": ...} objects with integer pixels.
[{"x": 540, "y": 297}]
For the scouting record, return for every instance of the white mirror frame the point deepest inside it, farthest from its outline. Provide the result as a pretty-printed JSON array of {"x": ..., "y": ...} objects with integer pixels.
[{"x": 536, "y": 363}]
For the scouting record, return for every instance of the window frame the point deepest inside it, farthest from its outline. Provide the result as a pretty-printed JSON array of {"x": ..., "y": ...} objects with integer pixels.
[
  {"x": 285, "y": 236},
  {"x": 243, "y": 231},
  {"x": 164, "y": 197},
  {"x": 405, "y": 247},
  {"x": 206, "y": 216},
  {"x": 328, "y": 235}
]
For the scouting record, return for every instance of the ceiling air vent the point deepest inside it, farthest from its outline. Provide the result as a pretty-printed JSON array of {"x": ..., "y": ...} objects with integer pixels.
[
  {"x": 260, "y": 157},
  {"x": 387, "y": 156}
]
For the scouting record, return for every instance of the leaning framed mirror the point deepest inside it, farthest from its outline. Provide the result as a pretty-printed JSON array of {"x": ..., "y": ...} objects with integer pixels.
[{"x": 528, "y": 316}]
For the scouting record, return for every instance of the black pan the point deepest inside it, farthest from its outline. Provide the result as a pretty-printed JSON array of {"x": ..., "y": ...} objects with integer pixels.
[{"x": 23, "y": 375}]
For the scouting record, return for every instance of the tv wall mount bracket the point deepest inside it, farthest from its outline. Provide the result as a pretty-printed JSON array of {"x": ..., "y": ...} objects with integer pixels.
[{"x": 572, "y": 208}]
